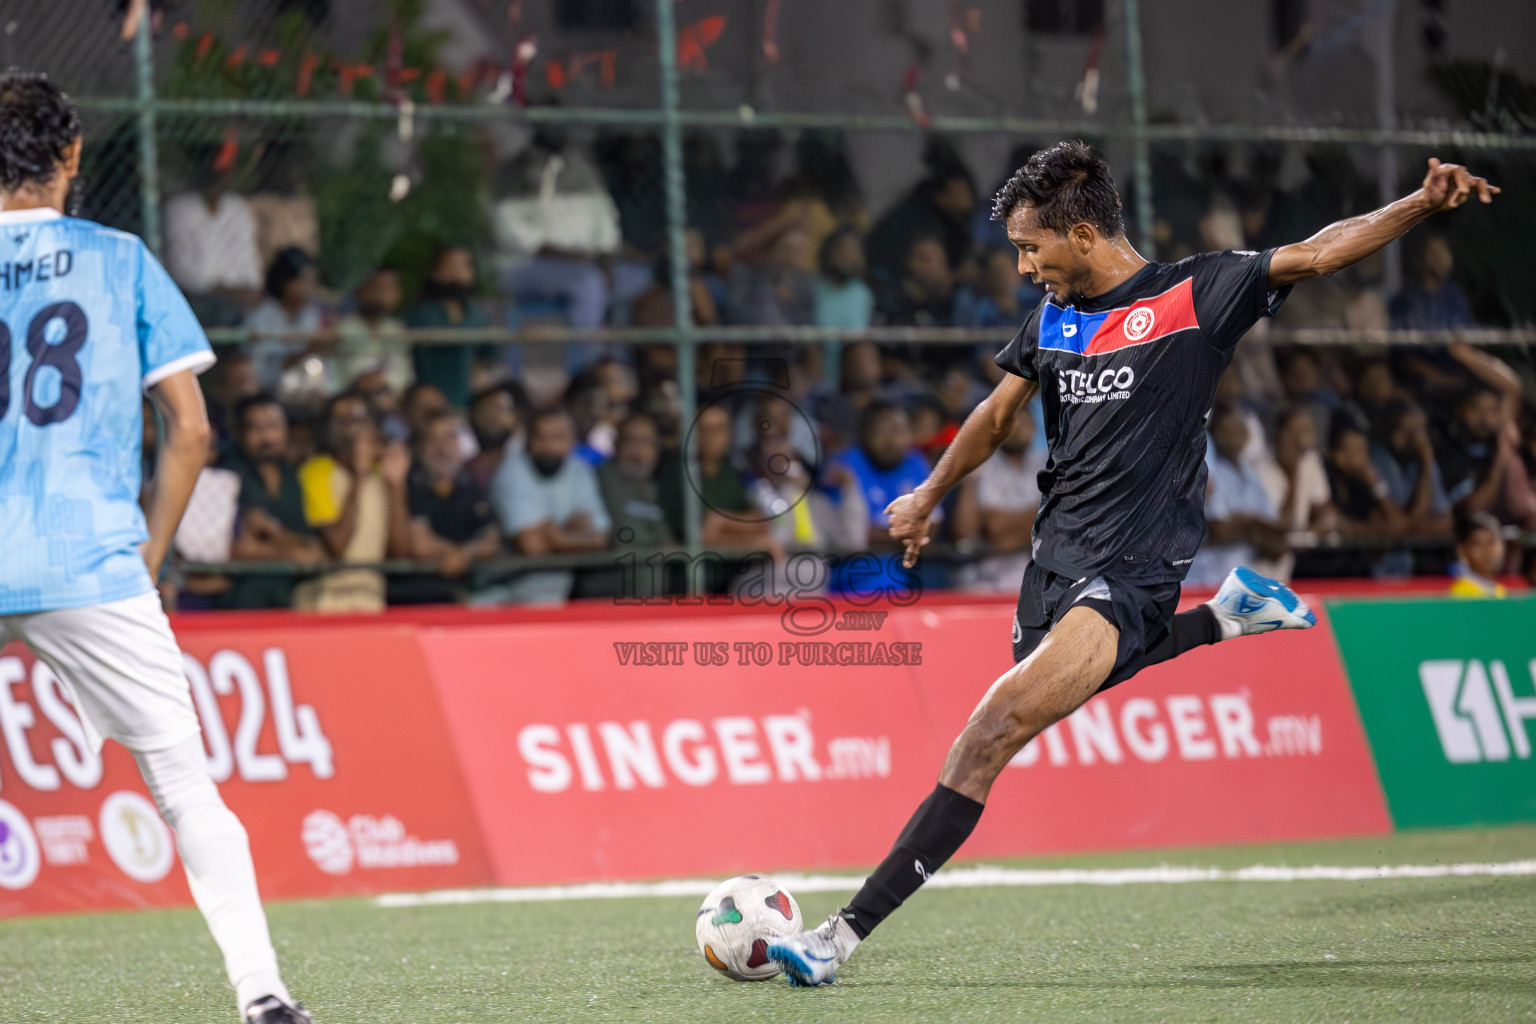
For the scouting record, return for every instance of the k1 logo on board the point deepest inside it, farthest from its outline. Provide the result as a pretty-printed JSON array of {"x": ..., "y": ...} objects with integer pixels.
[
  {"x": 1447, "y": 692},
  {"x": 1473, "y": 704}
]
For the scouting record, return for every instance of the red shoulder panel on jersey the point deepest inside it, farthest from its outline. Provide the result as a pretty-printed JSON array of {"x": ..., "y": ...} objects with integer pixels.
[{"x": 1147, "y": 320}]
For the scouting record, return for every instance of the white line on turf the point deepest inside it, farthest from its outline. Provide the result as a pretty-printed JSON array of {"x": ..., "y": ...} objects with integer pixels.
[{"x": 979, "y": 877}]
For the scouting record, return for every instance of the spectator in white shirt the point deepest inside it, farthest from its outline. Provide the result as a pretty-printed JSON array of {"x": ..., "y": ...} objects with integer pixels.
[
  {"x": 997, "y": 504},
  {"x": 1239, "y": 514},
  {"x": 371, "y": 338},
  {"x": 210, "y": 243},
  {"x": 280, "y": 357},
  {"x": 552, "y": 226},
  {"x": 1297, "y": 481},
  {"x": 207, "y": 529}
]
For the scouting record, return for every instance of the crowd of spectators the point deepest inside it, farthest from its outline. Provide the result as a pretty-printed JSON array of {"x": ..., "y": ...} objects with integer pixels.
[
  {"x": 1365, "y": 450},
  {"x": 342, "y": 446}
]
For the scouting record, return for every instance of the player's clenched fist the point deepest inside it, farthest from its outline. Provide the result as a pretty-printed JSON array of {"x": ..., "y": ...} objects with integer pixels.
[
  {"x": 1447, "y": 186},
  {"x": 908, "y": 520}
]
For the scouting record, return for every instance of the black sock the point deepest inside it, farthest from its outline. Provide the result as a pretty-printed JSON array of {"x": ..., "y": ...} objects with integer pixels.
[
  {"x": 1194, "y": 628},
  {"x": 941, "y": 825}
]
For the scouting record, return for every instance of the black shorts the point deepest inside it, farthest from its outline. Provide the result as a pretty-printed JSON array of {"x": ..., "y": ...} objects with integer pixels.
[{"x": 1142, "y": 612}]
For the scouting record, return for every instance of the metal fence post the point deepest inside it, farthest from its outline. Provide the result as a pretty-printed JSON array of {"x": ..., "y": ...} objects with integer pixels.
[
  {"x": 677, "y": 244},
  {"x": 149, "y": 158},
  {"x": 1386, "y": 118},
  {"x": 1141, "y": 157}
]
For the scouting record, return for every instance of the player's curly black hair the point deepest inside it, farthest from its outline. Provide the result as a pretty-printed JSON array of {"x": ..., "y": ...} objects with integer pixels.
[
  {"x": 1067, "y": 184},
  {"x": 37, "y": 124}
]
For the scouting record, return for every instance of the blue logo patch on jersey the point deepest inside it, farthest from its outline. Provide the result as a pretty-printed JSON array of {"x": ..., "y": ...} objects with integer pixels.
[{"x": 1067, "y": 330}]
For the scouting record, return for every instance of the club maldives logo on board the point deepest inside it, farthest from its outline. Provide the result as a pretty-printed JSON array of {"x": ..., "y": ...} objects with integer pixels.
[
  {"x": 19, "y": 856},
  {"x": 364, "y": 841}
]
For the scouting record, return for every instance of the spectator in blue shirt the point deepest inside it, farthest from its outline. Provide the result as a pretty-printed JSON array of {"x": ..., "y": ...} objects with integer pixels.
[
  {"x": 1404, "y": 458},
  {"x": 548, "y": 502},
  {"x": 1431, "y": 301},
  {"x": 591, "y": 411},
  {"x": 1305, "y": 386},
  {"x": 1001, "y": 298},
  {"x": 885, "y": 464},
  {"x": 1240, "y": 516},
  {"x": 1404, "y": 461},
  {"x": 925, "y": 294},
  {"x": 843, "y": 300}
]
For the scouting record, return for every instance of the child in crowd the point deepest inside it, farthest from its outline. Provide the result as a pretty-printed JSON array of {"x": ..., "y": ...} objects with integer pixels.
[{"x": 1479, "y": 557}]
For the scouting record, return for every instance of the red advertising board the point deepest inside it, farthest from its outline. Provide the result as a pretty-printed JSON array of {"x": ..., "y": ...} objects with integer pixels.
[
  {"x": 1253, "y": 740},
  {"x": 328, "y": 743},
  {"x": 680, "y": 746},
  {"x": 390, "y": 755},
  {"x": 602, "y": 750}
]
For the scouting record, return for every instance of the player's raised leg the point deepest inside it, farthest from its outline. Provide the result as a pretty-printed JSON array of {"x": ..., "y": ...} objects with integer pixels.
[
  {"x": 1068, "y": 667},
  {"x": 1247, "y": 604}
]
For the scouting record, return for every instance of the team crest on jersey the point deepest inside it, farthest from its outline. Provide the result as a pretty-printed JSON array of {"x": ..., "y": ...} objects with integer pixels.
[{"x": 1138, "y": 323}]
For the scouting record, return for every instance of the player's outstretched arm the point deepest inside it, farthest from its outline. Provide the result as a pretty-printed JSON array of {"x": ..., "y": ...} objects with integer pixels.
[
  {"x": 183, "y": 453},
  {"x": 988, "y": 426},
  {"x": 1341, "y": 244}
]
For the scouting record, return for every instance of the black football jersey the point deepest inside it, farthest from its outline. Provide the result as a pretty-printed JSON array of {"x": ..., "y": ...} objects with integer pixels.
[{"x": 1126, "y": 381}]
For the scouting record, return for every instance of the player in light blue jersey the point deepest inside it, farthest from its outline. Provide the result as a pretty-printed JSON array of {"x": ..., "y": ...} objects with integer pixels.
[{"x": 89, "y": 320}]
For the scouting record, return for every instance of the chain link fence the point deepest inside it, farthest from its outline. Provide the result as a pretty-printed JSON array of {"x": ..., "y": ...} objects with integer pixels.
[
  {"x": 664, "y": 184},
  {"x": 403, "y": 120}
]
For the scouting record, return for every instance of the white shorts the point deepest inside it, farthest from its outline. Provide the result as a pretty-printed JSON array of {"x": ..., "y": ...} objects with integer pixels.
[{"x": 122, "y": 668}]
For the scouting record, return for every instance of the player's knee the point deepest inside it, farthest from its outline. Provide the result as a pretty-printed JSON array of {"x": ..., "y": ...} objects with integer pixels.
[
  {"x": 178, "y": 780},
  {"x": 994, "y": 735},
  {"x": 205, "y": 828},
  {"x": 202, "y": 806},
  {"x": 1006, "y": 730}
]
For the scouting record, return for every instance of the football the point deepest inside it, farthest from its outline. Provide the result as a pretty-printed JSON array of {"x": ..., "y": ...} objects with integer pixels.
[{"x": 738, "y": 920}]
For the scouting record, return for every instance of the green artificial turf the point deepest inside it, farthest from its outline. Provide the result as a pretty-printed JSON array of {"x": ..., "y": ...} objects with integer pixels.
[{"x": 1433, "y": 950}]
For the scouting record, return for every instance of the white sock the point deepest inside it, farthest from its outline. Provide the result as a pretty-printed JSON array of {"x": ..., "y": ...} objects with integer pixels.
[
  {"x": 1229, "y": 624},
  {"x": 845, "y": 938},
  {"x": 217, "y": 857}
]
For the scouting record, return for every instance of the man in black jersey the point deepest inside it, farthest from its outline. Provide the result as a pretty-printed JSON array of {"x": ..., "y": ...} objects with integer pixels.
[{"x": 1125, "y": 355}]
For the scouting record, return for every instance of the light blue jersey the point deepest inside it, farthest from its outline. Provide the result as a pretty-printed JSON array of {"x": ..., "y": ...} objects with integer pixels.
[{"x": 88, "y": 321}]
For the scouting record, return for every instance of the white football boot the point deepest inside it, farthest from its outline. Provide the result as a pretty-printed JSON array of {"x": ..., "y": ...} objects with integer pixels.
[
  {"x": 812, "y": 958},
  {"x": 1250, "y": 603}
]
